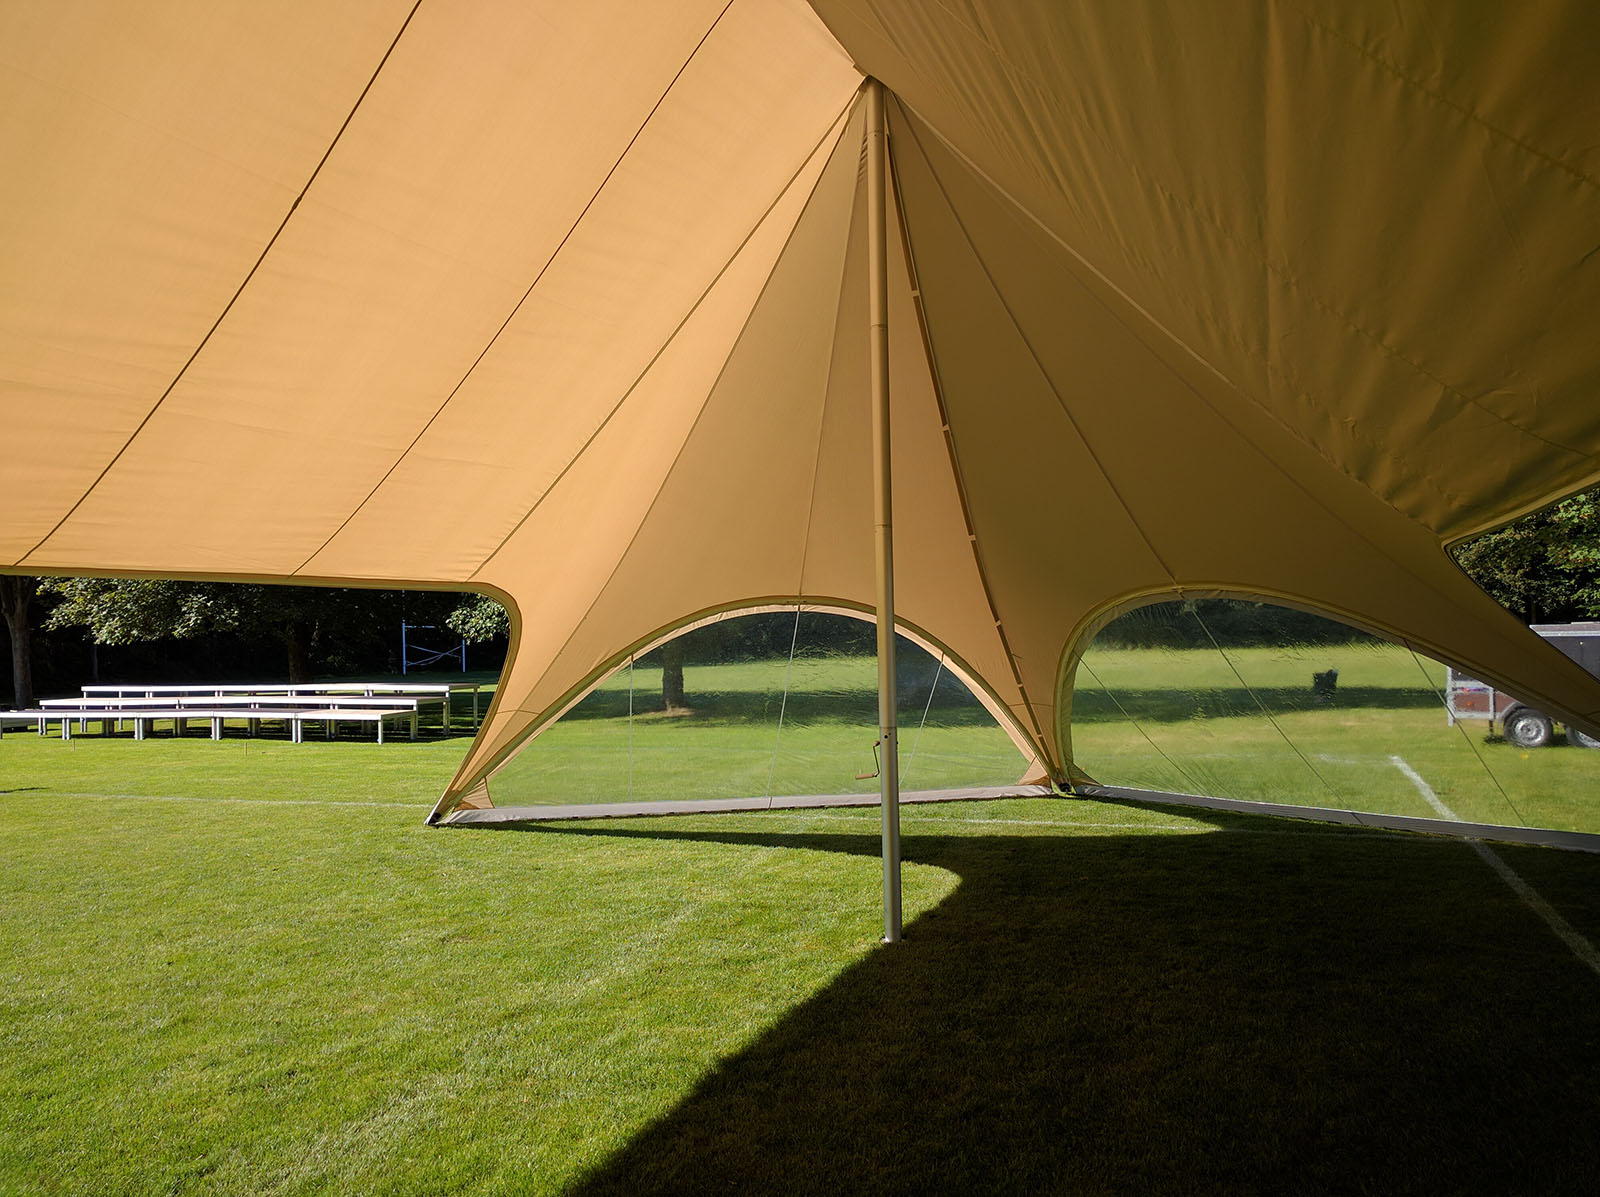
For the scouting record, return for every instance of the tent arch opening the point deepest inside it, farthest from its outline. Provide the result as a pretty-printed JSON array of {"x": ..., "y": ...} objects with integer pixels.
[{"x": 472, "y": 788}]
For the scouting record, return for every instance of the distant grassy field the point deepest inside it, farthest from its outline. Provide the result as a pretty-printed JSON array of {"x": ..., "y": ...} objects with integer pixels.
[
  {"x": 731, "y": 744},
  {"x": 247, "y": 967},
  {"x": 1246, "y": 725}
]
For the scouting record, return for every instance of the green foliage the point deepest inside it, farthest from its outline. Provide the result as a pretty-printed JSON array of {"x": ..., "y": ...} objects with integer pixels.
[
  {"x": 1544, "y": 567},
  {"x": 334, "y": 628},
  {"x": 479, "y": 618},
  {"x": 134, "y": 610}
]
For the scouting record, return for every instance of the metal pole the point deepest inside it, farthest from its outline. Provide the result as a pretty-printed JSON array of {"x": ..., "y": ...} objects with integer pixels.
[
  {"x": 402, "y": 648},
  {"x": 883, "y": 505}
]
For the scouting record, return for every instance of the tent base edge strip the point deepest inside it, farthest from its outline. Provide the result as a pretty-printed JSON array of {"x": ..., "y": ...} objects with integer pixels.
[
  {"x": 711, "y": 806},
  {"x": 1572, "y": 841}
]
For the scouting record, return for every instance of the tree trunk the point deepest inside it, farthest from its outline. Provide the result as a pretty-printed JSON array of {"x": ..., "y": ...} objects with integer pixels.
[
  {"x": 16, "y": 596},
  {"x": 672, "y": 676},
  {"x": 297, "y": 638}
]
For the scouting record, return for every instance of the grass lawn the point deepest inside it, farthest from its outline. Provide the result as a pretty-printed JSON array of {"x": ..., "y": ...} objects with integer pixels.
[
  {"x": 1248, "y": 726},
  {"x": 731, "y": 745},
  {"x": 247, "y": 966}
]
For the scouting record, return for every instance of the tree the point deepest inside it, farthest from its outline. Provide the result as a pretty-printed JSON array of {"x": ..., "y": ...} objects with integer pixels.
[
  {"x": 1544, "y": 567},
  {"x": 477, "y": 618},
  {"x": 17, "y": 593},
  {"x": 672, "y": 696},
  {"x": 337, "y": 626}
]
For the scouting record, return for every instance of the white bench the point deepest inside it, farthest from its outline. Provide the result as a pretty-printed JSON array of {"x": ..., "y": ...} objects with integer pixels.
[
  {"x": 105, "y": 710},
  {"x": 22, "y": 717},
  {"x": 441, "y": 692},
  {"x": 295, "y": 718}
]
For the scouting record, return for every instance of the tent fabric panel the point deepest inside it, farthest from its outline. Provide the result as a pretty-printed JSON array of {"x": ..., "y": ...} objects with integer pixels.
[
  {"x": 407, "y": 209},
  {"x": 1274, "y": 522},
  {"x": 1167, "y": 148},
  {"x": 722, "y": 510},
  {"x": 938, "y": 587},
  {"x": 1052, "y": 529},
  {"x": 684, "y": 198},
  {"x": 345, "y": 306},
  {"x": 138, "y": 199}
]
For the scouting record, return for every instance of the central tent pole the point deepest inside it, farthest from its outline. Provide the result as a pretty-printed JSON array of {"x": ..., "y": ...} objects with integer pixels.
[{"x": 883, "y": 507}]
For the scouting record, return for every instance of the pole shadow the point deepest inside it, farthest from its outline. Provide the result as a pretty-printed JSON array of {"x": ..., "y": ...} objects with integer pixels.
[{"x": 1304, "y": 1009}]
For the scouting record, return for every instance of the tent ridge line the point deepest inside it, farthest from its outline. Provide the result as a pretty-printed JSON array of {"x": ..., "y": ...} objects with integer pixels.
[
  {"x": 205, "y": 340},
  {"x": 1171, "y": 337},
  {"x": 835, "y": 129},
  {"x": 840, "y": 123},
  {"x": 954, "y": 459},
  {"x": 533, "y": 286},
  {"x": 1050, "y": 382}
]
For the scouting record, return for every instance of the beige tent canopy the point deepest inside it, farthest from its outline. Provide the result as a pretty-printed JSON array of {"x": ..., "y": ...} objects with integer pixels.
[{"x": 568, "y": 302}]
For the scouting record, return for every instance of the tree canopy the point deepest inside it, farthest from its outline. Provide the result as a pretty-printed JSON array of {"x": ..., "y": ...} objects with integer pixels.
[
  {"x": 334, "y": 629},
  {"x": 1544, "y": 567}
]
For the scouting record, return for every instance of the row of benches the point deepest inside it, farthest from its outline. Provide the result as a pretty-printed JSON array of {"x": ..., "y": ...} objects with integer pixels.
[
  {"x": 329, "y": 704},
  {"x": 143, "y": 720}
]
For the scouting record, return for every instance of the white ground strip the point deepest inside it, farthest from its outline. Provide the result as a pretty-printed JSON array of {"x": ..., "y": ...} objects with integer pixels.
[{"x": 1581, "y": 947}]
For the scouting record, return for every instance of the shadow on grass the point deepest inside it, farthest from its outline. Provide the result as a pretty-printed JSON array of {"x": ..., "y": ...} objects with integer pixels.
[
  {"x": 956, "y": 708},
  {"x": 1169, "y": 706},
  {"x": 856, "y": 706},
  {"x": 1296, "y": 1010}
]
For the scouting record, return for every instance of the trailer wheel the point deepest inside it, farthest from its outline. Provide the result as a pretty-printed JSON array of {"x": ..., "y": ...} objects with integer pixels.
[
  {"x": 1583, "y": 739},
  {"x": 1527, "y": 728}
]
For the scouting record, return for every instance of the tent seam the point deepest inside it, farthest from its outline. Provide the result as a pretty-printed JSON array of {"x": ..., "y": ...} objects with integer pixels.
[
  {"x": 1178, "y": 587},
  {"x": 1288, "y": 280},
  {"x": 205, "y": 340},
  {"x": 1039, "y": 365},
  {"x": 1472, "y": 114},
  {"x": 816, "y": 465},
  {"x": 836, "y": 129},
  {"x": 517, "y": 307},
  {"x": 827, "y": 391},
  {"x": 1330, "y": 33},
  {"x": 1403, "y": 566},
  {"x": 711, "y": 391},
  {"x": 957, "y": 478},
  {"x": 840, "y": 123}
]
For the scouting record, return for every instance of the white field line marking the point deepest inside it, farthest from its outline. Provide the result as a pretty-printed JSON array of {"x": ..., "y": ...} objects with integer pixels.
[{"x": 1581, "y": 947}]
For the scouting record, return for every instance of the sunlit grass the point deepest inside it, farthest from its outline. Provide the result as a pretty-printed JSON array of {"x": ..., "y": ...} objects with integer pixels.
[
  {"x": 248, "y": 966},
  {"x": 1247, "y": 725}
]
